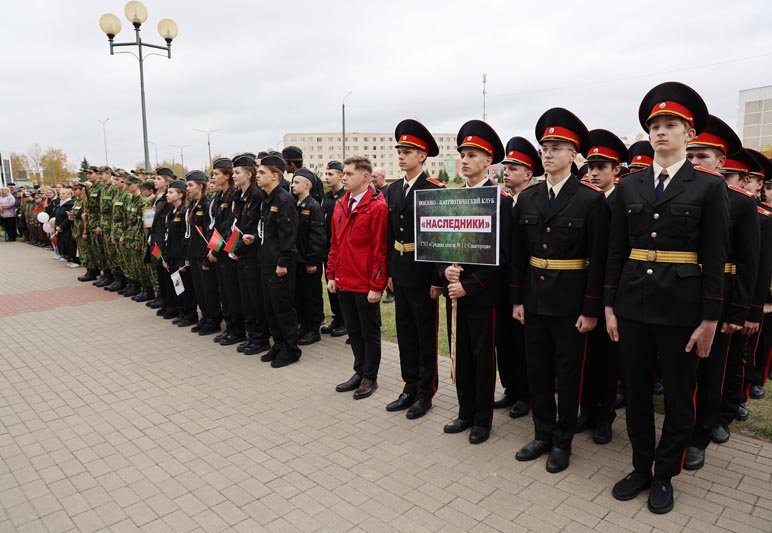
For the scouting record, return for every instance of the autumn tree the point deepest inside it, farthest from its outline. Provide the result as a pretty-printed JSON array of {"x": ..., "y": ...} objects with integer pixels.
[
  {"x": 53, "y": 162},
  {"x": 20, "y": 166}
]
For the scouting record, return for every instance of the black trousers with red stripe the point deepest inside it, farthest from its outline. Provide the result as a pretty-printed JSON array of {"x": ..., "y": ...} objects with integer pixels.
[
  {"x": 641, "y": 345},
  {"x": 510, "y": 354},
  {"x": 554, "y": 350},
  {"x": 710, "y": 384},
  {"x": 733, "y": 393},
  {"x": 416, "y": 316},
  {"x": 475, "y": 361},
  {"x": 601, "y": 376},
  {"x": 758, "y": 357}
]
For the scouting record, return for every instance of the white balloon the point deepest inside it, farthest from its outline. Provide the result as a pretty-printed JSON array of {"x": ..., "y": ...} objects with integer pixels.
[{"x": 43, "y": 217}]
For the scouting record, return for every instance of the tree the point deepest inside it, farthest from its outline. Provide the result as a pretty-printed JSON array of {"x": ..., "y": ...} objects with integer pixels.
[
  {"x": 458, "y": 180},
  {"x": 443, "y": 176},
  {"x": 20, "y": 166},
  {"x": 53, "y": 162},
  {"x": 83, "y": 168}
]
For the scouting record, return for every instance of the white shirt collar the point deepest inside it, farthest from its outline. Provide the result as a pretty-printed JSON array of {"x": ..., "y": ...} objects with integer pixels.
[
  {"x": 559, "y": 185},
  {"x": 481, "y": 183},
  {"x": 357, "y": 198},
  {"x": 608, "y": 192},
  {"x": 672, "y": 170},
  {"x": 410, "y": 183}
]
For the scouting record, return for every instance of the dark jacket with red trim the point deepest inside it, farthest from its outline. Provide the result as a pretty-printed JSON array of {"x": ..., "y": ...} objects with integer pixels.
[
  {"x": 279, "y": 223},
  {"x": 691, "y": 216},
  {"x": 357, "y": 258},
  {"x": 743, "y": 252},
  {"x": 574, "y": 228},
  {"x": 761, "y": 293}
]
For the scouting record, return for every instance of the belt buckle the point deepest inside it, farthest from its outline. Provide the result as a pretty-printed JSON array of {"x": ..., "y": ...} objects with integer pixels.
[
  {"x": 542, "y": 263},
  {"x": 651, "y": 255}
]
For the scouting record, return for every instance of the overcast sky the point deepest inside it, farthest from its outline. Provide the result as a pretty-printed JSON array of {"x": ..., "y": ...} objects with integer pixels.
[{"x": 261, "y": 69}]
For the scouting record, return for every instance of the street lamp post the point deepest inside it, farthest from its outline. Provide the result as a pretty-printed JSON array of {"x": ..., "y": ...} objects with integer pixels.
[
  {"x": 155, "y": 147},
  {"x": 182, "y": 155},
  {"x": 104, "y": 135},
  {"x": 208, "y": 142},
  {"x": 136, "y": 13},
  {"x": 343, "y": 109}
]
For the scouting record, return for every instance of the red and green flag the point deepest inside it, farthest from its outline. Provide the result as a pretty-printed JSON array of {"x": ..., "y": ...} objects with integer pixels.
[
  {"x": 53, "y": 240},
  {"x": 216, "y": 242},
  {"x": 233, "y": 240},
  {"x": 39, "y": 209},
  {"x": 156, "y": 252}
]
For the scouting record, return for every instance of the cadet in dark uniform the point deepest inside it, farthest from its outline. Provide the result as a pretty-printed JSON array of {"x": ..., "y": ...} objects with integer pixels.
[
  {"x": 601, "y": 370},
  {"x": 709, "y": 150},
  {"x": 165, "y": 301},
  {"x": 175, "y": 253},
  {"x": 278, "y": 234},
  {"x": 521, "y": 163},
  {"x": 416, "y": 304},
  {"x": 310, "y": 253},
  {"x": 558, "y": 250},
  {"x": 477, "y": 289},
  {"x": 660, "y": 305},
  {"x": 641, "y": 155},
  {"x": 293, "y": 158},
  {"x": 333, "y": 176}
]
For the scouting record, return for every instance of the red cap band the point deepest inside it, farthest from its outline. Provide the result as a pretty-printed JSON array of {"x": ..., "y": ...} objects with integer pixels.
[
  {"x": 556, "y": 133},
  {"x": 603, "y": 151},
  {"x": 519, "y": 157},
  {"x": 477, "y": 142},
  {"x": 642, "y": 161},
  {"x": 671, "y": 108},
  {"x": 709, "y": 140},
  {"x": 737, "y": 166},
  {"x": 414, "y": 141}
]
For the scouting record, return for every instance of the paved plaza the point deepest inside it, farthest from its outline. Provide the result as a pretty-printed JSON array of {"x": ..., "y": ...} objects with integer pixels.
[{"x": 113, "y": 419}]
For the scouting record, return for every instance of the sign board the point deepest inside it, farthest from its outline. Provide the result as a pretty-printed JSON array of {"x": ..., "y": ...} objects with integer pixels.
[{"x": 457, "y": 225}]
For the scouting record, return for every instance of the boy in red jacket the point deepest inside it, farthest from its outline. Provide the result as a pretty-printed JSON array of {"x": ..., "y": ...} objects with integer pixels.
[{"x": 356, "y": 270}]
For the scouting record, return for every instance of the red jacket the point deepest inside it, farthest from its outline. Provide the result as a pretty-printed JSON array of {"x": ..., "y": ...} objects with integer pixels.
[{"x": 357, "y": 258}]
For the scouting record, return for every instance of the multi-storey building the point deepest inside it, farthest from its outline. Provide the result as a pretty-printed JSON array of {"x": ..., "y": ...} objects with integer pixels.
[{"x": 755, "y": 124}]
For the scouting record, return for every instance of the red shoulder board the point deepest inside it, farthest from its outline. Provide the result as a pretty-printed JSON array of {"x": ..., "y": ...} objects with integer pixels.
[
  {"x": 703, "y": 169},
  {"x": 591, "y": 186},
  {"x": 763, "y": 211},
  {"x": 505, "y": 193},
  {"x": 767, "y": 204},
  {"x": 735, "y": 188},
  {"x": 435, "y": 182}
]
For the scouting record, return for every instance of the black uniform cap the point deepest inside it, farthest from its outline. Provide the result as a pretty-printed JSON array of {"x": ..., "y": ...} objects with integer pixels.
[
  {"x": 558, "y": 124},
  {"x": 165, "y": 171},
  {"x": 292, "y": 152},
  {"x": 274, "y": 161},
  {"x": 412, "y": 134},
  {"x": 641, "y": 154},
  {"x": 623, "y": 171},
  {"x": 244, "y": 160},
  {"x": 605, "y": 146},
  {"x": 717, "y": 134},
  {"x": 305, "y": 173},
  {"x": 335, "y": 165},
  {"x": 261, "y": 154},
  {"x": 223, "y": 162},
  {"x": 479, "y": 134},
  {"x": 676, "y": 99},
  {"x": 250, "y": 154},
  {"x": 521, "y": 152},
  {"x": 763, "y": 165},
  {"x": 178, "y": 184},
  {"x": 196, "y": 175}
]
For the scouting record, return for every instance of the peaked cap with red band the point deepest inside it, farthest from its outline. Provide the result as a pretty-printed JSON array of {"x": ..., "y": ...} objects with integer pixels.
[
  {"x": 558, "y": 124},
  {"x": 605, "y": 146},
  {"x": 674, "y": 99},
  {"x": 641, "y": 154},
  {"x": 478, "y": 134},
  {"x": 718, "y": 135},
  {"x": 412, "y": 134},
  {"x": 521, "y": 152},
  {"x": 741, "y": 162},
  {"x": 763, "y": 166}
]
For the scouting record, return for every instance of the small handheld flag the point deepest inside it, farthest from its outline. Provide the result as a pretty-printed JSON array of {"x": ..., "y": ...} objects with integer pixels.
[
  {"x": 156, "y": 252},
  {"x": 233, "y": 240},
  {"x": 216, "y": 242}
]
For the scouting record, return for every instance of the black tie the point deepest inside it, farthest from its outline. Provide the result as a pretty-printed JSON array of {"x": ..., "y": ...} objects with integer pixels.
[
  {"x": 552, "y": 196},
  {"x": 660, "y": 184},
  {"x": 405, "y": 188}
]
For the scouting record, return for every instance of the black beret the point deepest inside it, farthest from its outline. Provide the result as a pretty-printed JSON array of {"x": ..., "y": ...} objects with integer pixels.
[
  {"x": 178, "y": 184},
  {"x": 335, "y": 165},
  {"x": 244, "y": 160},
  {"x": 223, "y": 162},
  {"x": 304, "y": 172},
  {"x": 250, "y": 154},
  {"x": 274, "y": 161},
  {"x": 675, "y": 99},
  {"x": 277, "y": 154},
  {"x": 261, "y": 154},
  {"x": 292, "y": 152},
  {"x": 196, "y": 175},
  {"x": 165, "y": 171}
]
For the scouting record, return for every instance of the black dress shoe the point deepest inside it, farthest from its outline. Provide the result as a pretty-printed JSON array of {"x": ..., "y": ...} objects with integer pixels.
[
  {"x": 144, "y": 296},
  {"x": 198, "y": 326},
  {"x": 757, "y": 392},
  {"x": 558, "y": 460},
  {"x": 418, "y": 409},
  {"x": 310, "y": 337},
  {"x": 271, "y": 355},
  {"x": 505, "y": 400},
  {"x": 243, "y": 344},
  {"x": 479, "y": 434},
  {"x": 695, "y": 458},
  {"x": 533, "y": 450},
  {"x": 457, "y": 426},
  {"x": 209, "y": 328},
  {"x": 328, "y": 328},
  {"x": 520, "y": 409},
  {"x": 170, "y": 313},
  {"x": 187, "y": 321},
  {"x": 284, "y": 359},
  {"x": 631, "y": 486},
  {"x": 400, "y": 404},
  {"x": 660, "y": 497},
  {"x": 352, "y": 384},
  {"x": 339, "y": 331},
  {"x": 742, "y": 413},
  {"x": 255, "y": 348},
  {"x": 158, "y": 303},
  {"x": 217, "y": 338},
  {"x": 231, "y": 338},
  {"x": 720, "y": 434},
  {"x": 603, "y": 434}
]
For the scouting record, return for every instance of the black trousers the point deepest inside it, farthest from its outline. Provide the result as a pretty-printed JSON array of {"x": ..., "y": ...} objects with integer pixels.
[
  {"x": 185, "y": 302},
  {"x": 337, "y": 316},
  {"x": 363, "y": 321},
  {"x": 230, "y": 294},
  {"x": 165, "y": 288},
  {"x": 510, "y": 354},
  {"x": 640, "y": 345},
  {"x": 205, "y": 282},
  {"x": 416, "y": 316},
  {"x": 475, "y": 360},
  {"x": 252, "y": 304},
  {"x": 733, "y": 390},
  {"x": 759, "y": 357},
  {"x": 710, "y": 382},
  {"x": 554, "y": 350},
  {"x": 279, "y": 308},
  {"x": 9, "y": 226},
  {"x": 601, "y": 376},
  {"x": 308, "y": 298}
]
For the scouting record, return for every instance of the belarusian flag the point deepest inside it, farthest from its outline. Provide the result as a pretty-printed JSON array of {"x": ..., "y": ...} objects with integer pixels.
[
  {"x": 39, "y": 209},
  {"x": 156, "y": 252},
  {"x": 216, "y": 242},
  {"x": 53, "y": 240},
  {"x": 233, "y": 240}
]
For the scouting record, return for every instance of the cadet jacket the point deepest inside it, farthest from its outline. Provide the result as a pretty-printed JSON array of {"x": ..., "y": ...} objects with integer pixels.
[
  {"x": 106, "y": 199},
  {"x": 245, "y": 214},
  {"x": 220, "y": 216},
  {"x": 175, "y": 243},
  {"x": 279, "y": 229},
  {"x": 328, "y": 206},
  {"x": 158, "y": 228},
  {"x": 311, "y": 237},
  {"x": 743, "y": 253},
  {"x": 93, "y": 211},
  {"x": 121, "y": 198},
  {"x": 574, "y": 228},
  {"x": 403, "y": 268},
  {"x": 197, "y": 228},
  {"x": 134, "y": 231},
  {"x": 761, "y": 291},
  {"x": 692, "y": 216},
  {"x": 77, "y": 224}
]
